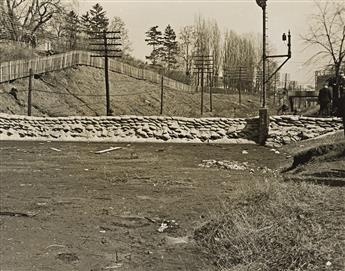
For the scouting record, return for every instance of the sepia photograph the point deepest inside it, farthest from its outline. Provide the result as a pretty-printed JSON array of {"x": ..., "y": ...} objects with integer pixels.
[{"x": 163, "y": 135}]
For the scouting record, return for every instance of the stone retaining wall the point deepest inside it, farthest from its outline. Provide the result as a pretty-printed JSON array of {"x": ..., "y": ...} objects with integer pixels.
[
  {"x": 287, "y": 129},
  {"x": 129, "y": 128},
  {"x": 283, "y": 129}
]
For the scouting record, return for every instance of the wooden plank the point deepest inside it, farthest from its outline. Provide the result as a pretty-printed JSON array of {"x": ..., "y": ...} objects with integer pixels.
[{"x": 108, "y": 150}]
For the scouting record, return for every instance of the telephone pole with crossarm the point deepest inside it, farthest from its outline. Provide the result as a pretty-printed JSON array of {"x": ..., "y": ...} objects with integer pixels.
[{"x": 106, "y": 44}]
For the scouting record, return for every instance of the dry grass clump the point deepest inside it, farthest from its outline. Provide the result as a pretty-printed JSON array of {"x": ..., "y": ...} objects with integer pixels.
[{"x": 278, "y": 226}]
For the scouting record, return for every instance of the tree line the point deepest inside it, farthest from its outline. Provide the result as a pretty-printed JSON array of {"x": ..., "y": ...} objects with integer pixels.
[
  {"x": 233, "y": 55},
  {"x": 229, "y": 51},
  {"x": 34, "y": 21},
  {"x": 31, "y": 21}
]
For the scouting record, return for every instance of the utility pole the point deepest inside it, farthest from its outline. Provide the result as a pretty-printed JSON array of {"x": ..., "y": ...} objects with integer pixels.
[
  {"x": 210, "y": 85},
  {"x": 162, "y": 93},
  {"x": 106, "y": 47},
  {"x": 204, "y": 64},
  {"x": 238, "y": 75},
  {"x": 30, "y": 91},
  {"x": 275, "y": 89},
  {"x": 202, "y": 88},
  {"x": 240, "y": 86}
]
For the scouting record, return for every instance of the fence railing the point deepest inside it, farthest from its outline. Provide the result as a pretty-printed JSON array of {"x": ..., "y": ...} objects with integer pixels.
[{"x": 20, "y": 68}]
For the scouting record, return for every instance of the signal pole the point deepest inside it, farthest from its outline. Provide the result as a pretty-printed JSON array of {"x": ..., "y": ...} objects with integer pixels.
[
  {"x": 264, "y": 54},
  {"x": 106, "y": 46},
  {"x": 263, "y": 112}
]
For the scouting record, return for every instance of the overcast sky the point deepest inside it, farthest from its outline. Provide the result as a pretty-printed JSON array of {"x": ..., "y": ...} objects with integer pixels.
[{"x": 242, "y": 16}]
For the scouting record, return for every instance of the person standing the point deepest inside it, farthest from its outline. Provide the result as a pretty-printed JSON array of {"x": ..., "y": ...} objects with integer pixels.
[{"x": 325, "y": 98}]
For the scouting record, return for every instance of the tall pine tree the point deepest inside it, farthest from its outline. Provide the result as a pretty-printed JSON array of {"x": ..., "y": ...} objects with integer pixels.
[
  {"x": 85, "y": 23},
  {"x": 169, "y": 48},
  {"x": 72, "y": 28},
  {"x": 154, "y": 39},
  {"x": 95, "y": 20},
  {"x": 98, "y": 19}
]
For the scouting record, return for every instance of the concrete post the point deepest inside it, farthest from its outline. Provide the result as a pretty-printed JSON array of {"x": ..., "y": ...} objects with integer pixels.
[{"x": 263, "y": 125}]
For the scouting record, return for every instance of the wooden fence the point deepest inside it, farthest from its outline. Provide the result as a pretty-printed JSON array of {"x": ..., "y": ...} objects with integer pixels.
[{"x": 20, "y": 69}]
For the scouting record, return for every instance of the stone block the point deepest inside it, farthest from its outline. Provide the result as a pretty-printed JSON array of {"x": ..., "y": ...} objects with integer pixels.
[{"x": 165, "y": 137}]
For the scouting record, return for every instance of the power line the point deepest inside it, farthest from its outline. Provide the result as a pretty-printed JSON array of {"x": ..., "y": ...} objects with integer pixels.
[{"x": 76, "y": 95}]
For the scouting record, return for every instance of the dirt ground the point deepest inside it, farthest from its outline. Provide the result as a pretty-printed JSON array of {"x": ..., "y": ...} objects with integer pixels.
[{"x": 64, "y": 207}]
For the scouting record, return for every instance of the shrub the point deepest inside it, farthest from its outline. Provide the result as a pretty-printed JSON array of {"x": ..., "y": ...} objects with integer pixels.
[{"x": 10, "y": 51}]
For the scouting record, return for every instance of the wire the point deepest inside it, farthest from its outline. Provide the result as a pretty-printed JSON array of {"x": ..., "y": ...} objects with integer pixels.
[{"x": 81, "y": 95}]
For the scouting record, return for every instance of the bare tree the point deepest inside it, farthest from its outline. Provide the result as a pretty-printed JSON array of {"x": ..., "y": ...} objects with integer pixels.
[
  {"x": 117, "y": 24},
  {"x": 56, "y": 24},
  {"x": 239, "y": 54},
  {"x": 187, "y": 37},
  {"x": 22, "y": 19},
  {"x": 327, "y": 34},
  {"x": 202, "y": 40},
  {"x": 215, "y": 46}
]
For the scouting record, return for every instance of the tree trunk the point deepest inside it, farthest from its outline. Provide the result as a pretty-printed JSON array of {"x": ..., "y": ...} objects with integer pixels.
[{"x": 336, "y": 89}]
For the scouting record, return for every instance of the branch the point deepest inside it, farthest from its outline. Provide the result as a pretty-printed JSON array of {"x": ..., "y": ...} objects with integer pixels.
[
  {"x": 341, "y": 51},
  {"x": 328, "y": 35}
]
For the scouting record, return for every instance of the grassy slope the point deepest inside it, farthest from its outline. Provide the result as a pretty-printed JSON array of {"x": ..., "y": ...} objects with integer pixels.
[
  {"x": 277, "y": 225},
  {"x": 320, "y": 160},
  {"x": 130, "y": 97}
]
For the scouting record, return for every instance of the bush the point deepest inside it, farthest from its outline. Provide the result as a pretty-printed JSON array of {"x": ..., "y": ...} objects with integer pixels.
[
  {"x": 10, "y": 51},
  {"x": 278, "y": 226}
]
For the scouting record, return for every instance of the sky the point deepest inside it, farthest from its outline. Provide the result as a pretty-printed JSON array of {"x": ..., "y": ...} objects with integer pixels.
[{"x": 242, "y": 16}]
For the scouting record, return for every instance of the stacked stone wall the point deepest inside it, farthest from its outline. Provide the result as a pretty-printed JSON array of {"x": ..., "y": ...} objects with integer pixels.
[
  {"x": 129, "y": 128},
  {"x": 287, "y": 129},
  {"x": 283, "y": 129}
]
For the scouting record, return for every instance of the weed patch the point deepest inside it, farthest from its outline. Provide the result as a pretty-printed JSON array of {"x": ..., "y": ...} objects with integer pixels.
[{"x": 278, "y": 226}]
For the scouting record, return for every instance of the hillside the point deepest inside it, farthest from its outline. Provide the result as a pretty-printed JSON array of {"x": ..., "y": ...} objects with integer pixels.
[
  {"x": 80, "y": 91},
  {"x": 318, "y": 160}
]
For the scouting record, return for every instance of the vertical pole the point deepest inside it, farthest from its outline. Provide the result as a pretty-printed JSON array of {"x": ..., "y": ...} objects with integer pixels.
[
  {"x": 239, "y": 86},
  {"x": 30, "y": 91},
  {"x": 198, "y": 80},
  {"x": 263, "y": 112},
  {"x": 211, "y": 85},
  {"x": 268, "y": 83},
  {"x": 162, "y": 93},
  {"x": 107, "y": 92},
  {"x": 275, "y": 89},
  {"x": 202, "y": 86},
  {"x": 264, "y": 57}
]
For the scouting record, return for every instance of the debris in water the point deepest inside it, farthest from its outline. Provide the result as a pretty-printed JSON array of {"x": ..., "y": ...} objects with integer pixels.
[
  {"x": 168, "y": 224},
  {"x": 177, "y": 240},
  {"x": 17, "y": 214},
  {"x": 225, "y": 164},
  {"x": 108, "y": 150},
  {"x": 163, "y": 227},
  {"x": 55, "y": 149}
]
